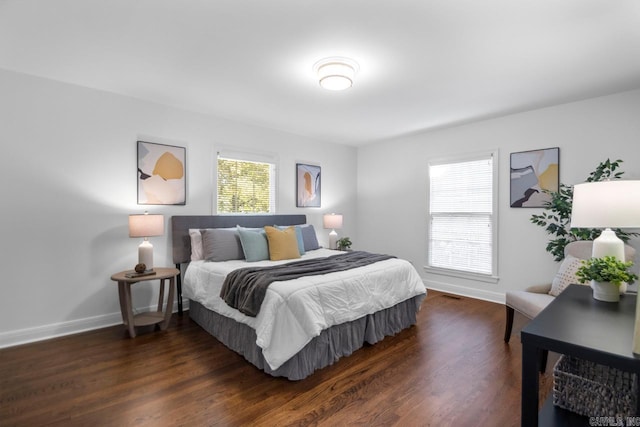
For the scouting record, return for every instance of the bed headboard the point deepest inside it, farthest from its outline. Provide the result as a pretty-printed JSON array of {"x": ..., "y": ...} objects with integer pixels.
[{"x": 180, "y": 225}]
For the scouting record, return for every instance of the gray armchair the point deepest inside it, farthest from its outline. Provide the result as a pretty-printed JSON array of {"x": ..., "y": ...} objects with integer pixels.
[{"x": 534, "y": 299}]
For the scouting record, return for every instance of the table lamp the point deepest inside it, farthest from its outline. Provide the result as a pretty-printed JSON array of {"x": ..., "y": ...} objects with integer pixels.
[
  {"x": 607, "y": 205},
  {"x": 145, "y": 226},
  {"x": 332, "y": 221}
]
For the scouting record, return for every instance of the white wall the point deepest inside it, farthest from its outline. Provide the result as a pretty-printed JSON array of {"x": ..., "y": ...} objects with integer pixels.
[
  {"x": 68, "y": 169},
  {"x": 392, "y": 180},
  {"x": 69, "y": 181}
]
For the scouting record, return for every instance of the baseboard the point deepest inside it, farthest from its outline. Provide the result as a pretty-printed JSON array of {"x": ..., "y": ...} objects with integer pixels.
[
  {"x": 482, "y": 294},
  {"x": 40, "y": 333}
]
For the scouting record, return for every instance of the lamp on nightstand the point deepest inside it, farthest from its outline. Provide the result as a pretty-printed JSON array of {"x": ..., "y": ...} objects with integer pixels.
[
  {"x": 146, "y": 226},
  {"x": 332, "y": 221}
]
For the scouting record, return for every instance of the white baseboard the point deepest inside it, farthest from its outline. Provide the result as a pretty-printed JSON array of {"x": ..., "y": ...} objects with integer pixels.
[
  {"x": 40, "y": 333},
  {"x": 482, "y": 294}
]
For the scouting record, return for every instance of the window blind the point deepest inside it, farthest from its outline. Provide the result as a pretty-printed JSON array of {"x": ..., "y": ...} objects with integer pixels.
[
  {"x": 461, "y": 217},
  {"x": 246, "y": 183}
]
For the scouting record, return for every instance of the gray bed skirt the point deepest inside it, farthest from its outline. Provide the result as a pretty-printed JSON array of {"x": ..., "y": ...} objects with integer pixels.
[{"x": 332, "y": 343}]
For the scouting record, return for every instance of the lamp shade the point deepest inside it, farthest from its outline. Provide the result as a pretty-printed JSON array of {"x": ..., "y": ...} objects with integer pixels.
[
  {"x": 146, "y": 225},
  {"x": 606, "y": 204},
  {"x": 332, "y": 221}
]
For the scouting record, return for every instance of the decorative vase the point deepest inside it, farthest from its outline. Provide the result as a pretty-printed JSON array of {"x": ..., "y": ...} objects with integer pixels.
[{"x": 605, "y": 291}]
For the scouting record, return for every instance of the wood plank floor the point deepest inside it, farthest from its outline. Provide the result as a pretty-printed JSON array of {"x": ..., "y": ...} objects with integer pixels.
[{"x": 451, "y": 369}]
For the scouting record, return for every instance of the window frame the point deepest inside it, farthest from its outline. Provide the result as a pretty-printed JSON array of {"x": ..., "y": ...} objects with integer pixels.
[
  {"x": 247, "y": 156},
  {"x": 493, "y": 276}
]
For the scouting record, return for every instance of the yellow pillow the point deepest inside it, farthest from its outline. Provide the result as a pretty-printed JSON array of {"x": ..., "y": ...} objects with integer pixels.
[{"x": 283, "y": 244}]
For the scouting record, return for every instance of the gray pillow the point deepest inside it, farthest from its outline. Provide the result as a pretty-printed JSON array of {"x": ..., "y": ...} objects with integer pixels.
[
  {"x": 221, "y": 245},
  {"x": 309, "y": 237}
]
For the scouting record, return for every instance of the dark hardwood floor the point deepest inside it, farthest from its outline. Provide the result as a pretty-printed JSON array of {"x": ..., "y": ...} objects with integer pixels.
[{"x": 451, "y": 369}]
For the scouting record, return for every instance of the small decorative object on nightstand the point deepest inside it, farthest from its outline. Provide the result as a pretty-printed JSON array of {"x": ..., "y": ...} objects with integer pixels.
[
  {"x": 127, "y": 278},
  {"x": 344, "y": 244}
]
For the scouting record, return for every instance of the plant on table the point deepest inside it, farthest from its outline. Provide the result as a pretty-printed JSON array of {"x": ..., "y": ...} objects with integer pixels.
[
  {"x": 606, "y": 269},
  {"x": 344, "y": 243}
]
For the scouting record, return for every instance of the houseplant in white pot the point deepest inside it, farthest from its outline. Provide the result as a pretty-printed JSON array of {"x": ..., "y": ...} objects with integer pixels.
[
  {"x": 606, "y": 275},
  {"x": 344, "y": 244}
]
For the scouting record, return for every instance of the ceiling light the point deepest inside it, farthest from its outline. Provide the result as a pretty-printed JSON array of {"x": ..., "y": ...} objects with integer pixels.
[{"x": 336, "y": 73}]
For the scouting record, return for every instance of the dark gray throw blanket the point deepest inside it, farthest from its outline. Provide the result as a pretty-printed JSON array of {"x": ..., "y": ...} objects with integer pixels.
[{"x": 245, "y": 288}]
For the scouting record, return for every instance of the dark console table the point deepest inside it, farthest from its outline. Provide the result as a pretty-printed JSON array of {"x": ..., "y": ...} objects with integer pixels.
[{"x": 576, "y": 324}]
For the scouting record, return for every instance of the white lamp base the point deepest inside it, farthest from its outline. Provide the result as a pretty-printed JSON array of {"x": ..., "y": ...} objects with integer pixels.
[
  {"x": 333, "y": 240},
  {"x": 608, "y": 244},
  {"x": 145, "y": 254}
]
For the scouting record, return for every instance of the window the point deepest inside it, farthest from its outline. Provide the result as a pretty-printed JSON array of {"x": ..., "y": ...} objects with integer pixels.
[
  {"x": 246, "y": 183},
  {"x": 462, "y": 239}
]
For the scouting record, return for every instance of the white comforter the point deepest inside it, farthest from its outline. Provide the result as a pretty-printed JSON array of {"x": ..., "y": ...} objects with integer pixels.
[{"x": 296, "y": 311}]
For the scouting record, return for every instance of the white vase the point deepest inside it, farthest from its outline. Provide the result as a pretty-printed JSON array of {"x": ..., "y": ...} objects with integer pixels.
[{"x": 605, "y": 291}]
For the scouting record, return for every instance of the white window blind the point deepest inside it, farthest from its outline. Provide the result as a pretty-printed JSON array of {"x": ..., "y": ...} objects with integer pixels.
[
  {"x": 462, "y": 220},
  {"x": 246, "y": 183}
]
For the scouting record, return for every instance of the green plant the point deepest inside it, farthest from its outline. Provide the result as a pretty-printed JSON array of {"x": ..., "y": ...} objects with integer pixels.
[
  {"x": 556, "y": 219},
  {"x": 606, "y": 269},
  {"x": 344, "y": 243}
]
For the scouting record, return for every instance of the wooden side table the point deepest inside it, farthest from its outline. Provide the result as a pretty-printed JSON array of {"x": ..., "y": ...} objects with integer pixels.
[{"x": 149, "y": 318}]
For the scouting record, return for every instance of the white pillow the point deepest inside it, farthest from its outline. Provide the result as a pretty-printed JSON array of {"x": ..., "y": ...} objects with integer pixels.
[
  {"x": 566, "y": 275},
  {"x": 196, "y": 244}
]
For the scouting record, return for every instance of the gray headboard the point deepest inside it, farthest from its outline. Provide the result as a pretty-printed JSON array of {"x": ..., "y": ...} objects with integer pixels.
[{"x": 180, "y": 226}]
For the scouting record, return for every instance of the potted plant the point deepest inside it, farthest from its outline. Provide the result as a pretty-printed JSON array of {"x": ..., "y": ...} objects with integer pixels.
[
  {"x": 606, "y": 275},
  {"x": 344, "y": 244}
]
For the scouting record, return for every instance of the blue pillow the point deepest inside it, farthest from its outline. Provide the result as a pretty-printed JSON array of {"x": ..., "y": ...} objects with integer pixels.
[
  {"x": 298, "y": 236},
  {"x": 309, "y": 237},
  {"x": 254, "y": 244}
]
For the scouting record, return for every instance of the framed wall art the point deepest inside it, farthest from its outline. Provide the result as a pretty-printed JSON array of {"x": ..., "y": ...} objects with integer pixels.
[
  {"x": 531, "y": 173},
  {"x": 161, "y": 174},
  {"x": 307, "y": 186}
]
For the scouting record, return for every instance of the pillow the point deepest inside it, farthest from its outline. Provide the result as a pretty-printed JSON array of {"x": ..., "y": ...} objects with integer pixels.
[
  {"x": 219, "y": 244},
  {"x": 254, "y": 244},
  {"x": 196, "y": 244},
  {"x": 566, "y": 275},
  {"x": 309, "y": 237},
  {"x": 283, "y": 244},
  {"x": 298, "y": 236}
]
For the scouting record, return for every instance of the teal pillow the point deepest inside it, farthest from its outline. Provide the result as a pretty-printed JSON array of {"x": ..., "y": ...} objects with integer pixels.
[
  {"x": 299, "y": 237},
  {"x": 254, "y": 244}
]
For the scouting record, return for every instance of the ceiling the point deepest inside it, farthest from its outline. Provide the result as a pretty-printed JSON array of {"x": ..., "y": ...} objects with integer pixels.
[{"x": 424, "y": 64}]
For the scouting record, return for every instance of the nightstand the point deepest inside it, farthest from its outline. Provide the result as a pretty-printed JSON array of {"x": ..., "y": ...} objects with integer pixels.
[{"x": 149, "y": 318}]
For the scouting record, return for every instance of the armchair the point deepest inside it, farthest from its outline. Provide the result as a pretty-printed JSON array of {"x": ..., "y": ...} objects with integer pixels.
[{"x": 534, "y": 299}]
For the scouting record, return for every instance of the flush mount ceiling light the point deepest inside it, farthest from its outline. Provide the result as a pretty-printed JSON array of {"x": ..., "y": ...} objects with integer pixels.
[{"x": 336, "y": 73}]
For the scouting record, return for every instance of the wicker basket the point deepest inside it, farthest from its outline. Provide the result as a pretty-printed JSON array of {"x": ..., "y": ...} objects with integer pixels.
[{"x": 593, "y": 390}]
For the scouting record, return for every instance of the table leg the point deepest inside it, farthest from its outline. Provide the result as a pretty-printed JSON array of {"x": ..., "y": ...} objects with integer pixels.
[
  {"x": 530, "y": 385},
  {"x": 179, "y": 289},
  {"x": 161, "y": 295},
  {"x": 637, "y": 398},
  {"x": 128, "y": 309},
  {"x": 123, "y": 304},
  {"x": 169, "y": 309}
]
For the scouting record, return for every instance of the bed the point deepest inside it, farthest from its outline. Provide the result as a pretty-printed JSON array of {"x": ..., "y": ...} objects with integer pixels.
[{"x": 303, "y": 324}]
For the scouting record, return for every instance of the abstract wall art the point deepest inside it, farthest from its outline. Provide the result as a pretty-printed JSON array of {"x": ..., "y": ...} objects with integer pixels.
[
  {"x": 307, "y": 186},
  {"x": 161, "y": 174},
  {"x": 532, "y": 173}
]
